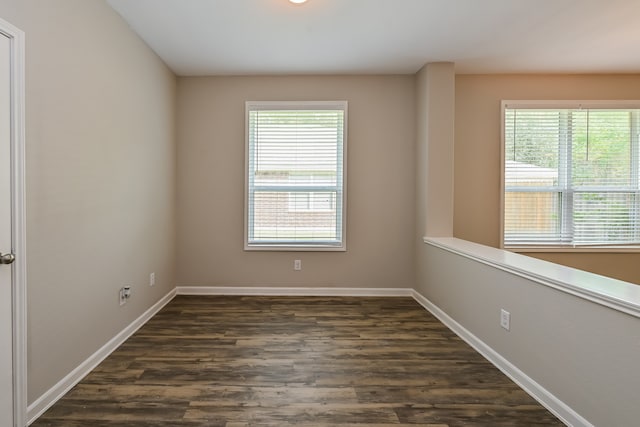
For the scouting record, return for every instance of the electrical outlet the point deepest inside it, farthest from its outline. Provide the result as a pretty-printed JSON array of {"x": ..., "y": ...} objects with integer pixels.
[
  {"x": 505, "y": 319},
  {"x": 124, "y": 294},
  {"x": 297, "y": 264},
  {"x": 152, "y": 279}
]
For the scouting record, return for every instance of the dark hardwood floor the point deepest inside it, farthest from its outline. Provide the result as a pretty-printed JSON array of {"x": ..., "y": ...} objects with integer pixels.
[{"x": 295, "y": 361}]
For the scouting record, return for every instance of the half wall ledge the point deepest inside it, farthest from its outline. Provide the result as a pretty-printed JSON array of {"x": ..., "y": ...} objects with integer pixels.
[{"x": 612, "y": 293}]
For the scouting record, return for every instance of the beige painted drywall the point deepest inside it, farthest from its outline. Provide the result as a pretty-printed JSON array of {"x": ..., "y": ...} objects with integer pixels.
[
  {"x": 477, "y": 154},
  {"x": 582, "y": 352},
  {"x": 100, "y": 144},
  {"x": 380, "y": 183},
  {"x": 435, "y": 89}
]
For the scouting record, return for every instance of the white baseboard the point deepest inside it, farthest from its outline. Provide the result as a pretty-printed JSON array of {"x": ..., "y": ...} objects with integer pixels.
[
  {"x": 535, "y": 390},
  {"x": 294, "y": 291},
  {"x": 50, "y": 397},
  {"x": 542, "y": 395}
]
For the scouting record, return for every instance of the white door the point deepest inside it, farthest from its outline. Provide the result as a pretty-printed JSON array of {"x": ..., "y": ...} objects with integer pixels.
[{"x": 6, "y": 283}]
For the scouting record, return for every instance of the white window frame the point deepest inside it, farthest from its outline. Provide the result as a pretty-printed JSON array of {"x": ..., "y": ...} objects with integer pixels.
[
  {"x": 306, "y": 246},
  {"x": 562, "y": 104},
  {"x": 312, "y": 205}
]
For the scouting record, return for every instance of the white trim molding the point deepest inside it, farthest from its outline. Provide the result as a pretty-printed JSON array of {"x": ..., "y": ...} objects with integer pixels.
[
  {"x": 252, "y": 141},
  {"x": 56, "y": 392},
  {"x": 535, "y": 390},
  {"x": 293, "y": 291},
  {"x": 18, "y": 226}
]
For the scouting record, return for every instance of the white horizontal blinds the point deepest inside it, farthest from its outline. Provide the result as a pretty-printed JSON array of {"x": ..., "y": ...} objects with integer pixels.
[
  {"x": 605, "y": 205},
  {"x": 532, "y": 176},
  {"x": 571, "y": 176},
  {"x": 295, "y": 175}
]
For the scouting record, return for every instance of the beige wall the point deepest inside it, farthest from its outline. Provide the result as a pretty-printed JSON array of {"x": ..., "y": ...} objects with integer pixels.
[
  {"x": 380, "y": 183},
  {"x": 477, "y": 154},
  {"x": 435, "y": 117},
  {"x": 100, "y": 179}
]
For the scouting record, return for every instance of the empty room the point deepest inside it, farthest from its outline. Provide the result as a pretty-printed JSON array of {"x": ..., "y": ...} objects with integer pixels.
[{"x": 237, "y": 213}]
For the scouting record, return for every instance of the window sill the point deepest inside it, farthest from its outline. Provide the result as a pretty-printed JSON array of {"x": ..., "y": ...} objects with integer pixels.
[
  {"x": 571, "y": 249},
  {"x": 616, "y": 294},
  {"x": 285, "y": 248}
]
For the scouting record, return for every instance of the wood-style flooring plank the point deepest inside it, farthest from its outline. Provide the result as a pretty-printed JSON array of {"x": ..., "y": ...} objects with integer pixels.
[{"x": 295, "y": 361}]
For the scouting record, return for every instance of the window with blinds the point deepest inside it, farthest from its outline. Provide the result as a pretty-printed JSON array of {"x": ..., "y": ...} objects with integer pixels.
[
  {"x": 295, "y": 175},
  {"x": 571, "y": 175}
]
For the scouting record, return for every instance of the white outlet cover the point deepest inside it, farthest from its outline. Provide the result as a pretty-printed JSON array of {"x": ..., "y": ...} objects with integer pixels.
[
  {"x": 152, "y": 279},
  {"x": 505, "y": 319}
]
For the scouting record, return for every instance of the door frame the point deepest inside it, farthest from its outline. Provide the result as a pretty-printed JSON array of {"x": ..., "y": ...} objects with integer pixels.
[{"x": 18, "y": 221}]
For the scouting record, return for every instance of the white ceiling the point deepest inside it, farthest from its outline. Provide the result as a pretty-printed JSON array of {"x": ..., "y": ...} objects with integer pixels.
[{"x": 239, "y": 37}]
